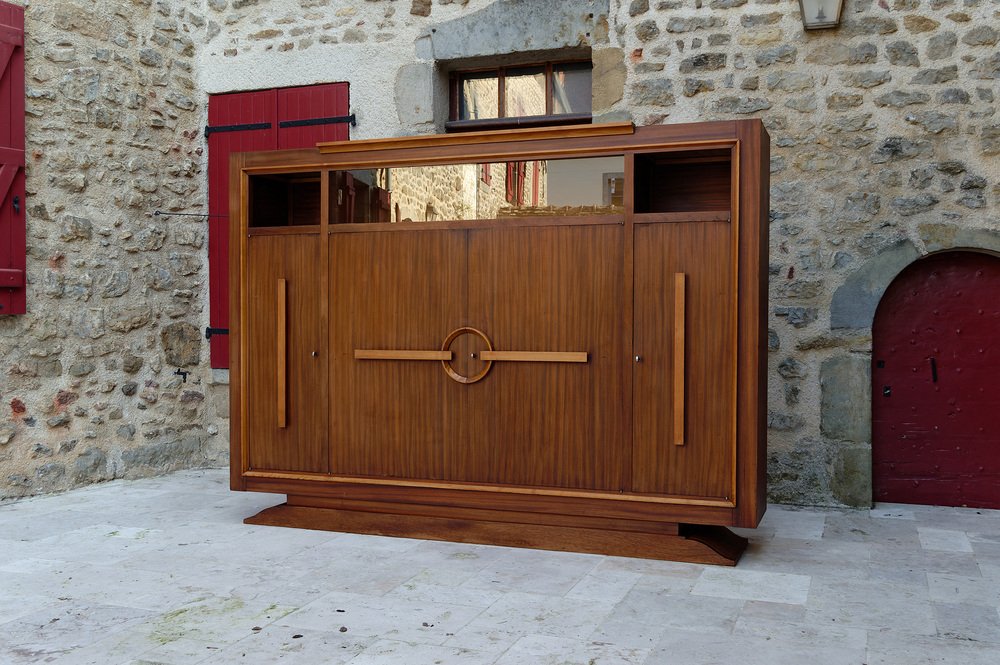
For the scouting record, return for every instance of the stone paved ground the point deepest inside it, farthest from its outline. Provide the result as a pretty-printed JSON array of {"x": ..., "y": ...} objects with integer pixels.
[{"x": 164, "y": 571}]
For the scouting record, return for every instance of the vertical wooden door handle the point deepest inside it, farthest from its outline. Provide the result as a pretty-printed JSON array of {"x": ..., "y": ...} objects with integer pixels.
[
  {"x": 282, "y": 353},
  {"x": 679, "y": 308}
]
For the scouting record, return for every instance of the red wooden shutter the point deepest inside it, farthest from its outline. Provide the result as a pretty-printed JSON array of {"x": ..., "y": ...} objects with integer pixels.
[
  {"x": 238, "y": 122},
  {"x": 310, "y": 114},
  {"x": 250, "y": 121},
  {"x": 12, "y": 203}
]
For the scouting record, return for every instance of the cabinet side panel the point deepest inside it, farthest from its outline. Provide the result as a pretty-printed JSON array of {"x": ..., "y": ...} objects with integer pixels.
[{"x": 754, "y": 213}]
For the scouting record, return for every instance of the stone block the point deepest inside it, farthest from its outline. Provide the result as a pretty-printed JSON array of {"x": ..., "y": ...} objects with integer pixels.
[
  {"x": 420, "y": 7},
  {"x": 797, "y": 317},
  {"x": 785, "y": 54},
  {"x": 164, "y": 456},
  {"x": 703, "y": 62},
  {"x": 935, "y": 76},
  {"x": 638, "y": 7},
  {"x": 90, "y": 466},
  {"x": 790, "y": 368},
  {"x": 508, "y": 26},
  {"x": 647, "y": 30},
  {"x": 917, "y": 24},
  {"x": 982, "y": 35},
  {"x": 845, "y": 398},
  {"x": 800, "y": 475},
  {"x": 937, "y": 237},
  {"x": 608, "y": 78},
  {"x": 914, "y": 205},
  {"x": 415, "y": 94},
  {"x": 902, "y": 54},
  {"x": 182, "y": 344},
  {"x": 988, "y": 68},
  {"x": 742, "y": 105},
  {"x": 942, "y": 45},
  {"x": 866, "y": 79},
  {"x": 783, "y": 422},
  {"x": 854, "y": 302},
  {"x": 653, "y": 92},
  {"x": 851, "y": 479}
]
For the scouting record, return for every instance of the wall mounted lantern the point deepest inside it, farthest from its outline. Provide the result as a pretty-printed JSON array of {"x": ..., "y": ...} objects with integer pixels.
[{"x": 818, "y": 14}]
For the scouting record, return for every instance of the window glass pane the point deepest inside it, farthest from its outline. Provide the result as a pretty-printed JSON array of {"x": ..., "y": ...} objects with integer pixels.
[
  {"x": 571, "y": 91},
  {"x": 525, "y": 91},
  {"x": 458, "y": 192},
  {"x": 479, "y": 96}
]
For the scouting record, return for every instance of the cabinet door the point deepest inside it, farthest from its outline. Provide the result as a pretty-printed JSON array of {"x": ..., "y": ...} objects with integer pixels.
[
  {"x": 393, "y": 290},
  {"x": 286, "y": 377},
  {"x": 553, "y": 289},
  {"x": 684, "y": 375}
]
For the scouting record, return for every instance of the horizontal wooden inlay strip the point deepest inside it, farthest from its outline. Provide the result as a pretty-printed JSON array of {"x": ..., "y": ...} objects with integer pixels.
[
  {"x": 506, "y": 489},
  {"x": 394, "y": 354},
  {"x": 536, "y": 356}
]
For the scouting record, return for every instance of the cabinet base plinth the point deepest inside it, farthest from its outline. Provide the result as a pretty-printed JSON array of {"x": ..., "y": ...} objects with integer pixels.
[{"x": 693, "y": 543}]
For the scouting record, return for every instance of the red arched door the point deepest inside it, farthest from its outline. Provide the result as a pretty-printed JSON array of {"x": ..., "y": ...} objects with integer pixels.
[{"x": 936, "y": 384}]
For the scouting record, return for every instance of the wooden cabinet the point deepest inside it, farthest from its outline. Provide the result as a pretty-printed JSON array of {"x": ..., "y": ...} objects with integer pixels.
[{"x": 583, "y": 372}]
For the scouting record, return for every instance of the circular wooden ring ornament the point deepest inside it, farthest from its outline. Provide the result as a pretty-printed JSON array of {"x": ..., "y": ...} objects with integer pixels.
[{"x": 446, "y": 346}]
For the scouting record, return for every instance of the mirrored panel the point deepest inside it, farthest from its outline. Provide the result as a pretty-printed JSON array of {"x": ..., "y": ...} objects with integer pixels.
[{"x": 463, "y": 192}]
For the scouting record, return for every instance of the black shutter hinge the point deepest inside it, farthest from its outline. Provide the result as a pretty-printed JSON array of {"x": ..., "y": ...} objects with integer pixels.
[
  {"x": 333, "y": 120},
  {"x": 236, "y": 128},
  {"x": 215, "y": 331}
]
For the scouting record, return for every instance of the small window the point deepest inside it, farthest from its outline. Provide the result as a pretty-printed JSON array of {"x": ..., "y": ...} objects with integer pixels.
[{"x": 547, "y": 94}]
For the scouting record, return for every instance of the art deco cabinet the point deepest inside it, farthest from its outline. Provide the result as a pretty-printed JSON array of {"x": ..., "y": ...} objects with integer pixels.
[{"x": 546, "y": 338}]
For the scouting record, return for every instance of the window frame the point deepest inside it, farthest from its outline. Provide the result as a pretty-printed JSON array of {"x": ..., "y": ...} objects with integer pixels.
[{"x": 503, "y": 121}]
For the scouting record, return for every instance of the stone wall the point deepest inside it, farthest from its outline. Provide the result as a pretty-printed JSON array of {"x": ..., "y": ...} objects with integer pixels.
[
  {"x": 117, "y": 296},
  {"x": 885, "y": 146}
]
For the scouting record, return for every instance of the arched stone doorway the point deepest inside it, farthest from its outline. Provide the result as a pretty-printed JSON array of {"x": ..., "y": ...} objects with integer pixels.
[{"x": 935, "y": 372}]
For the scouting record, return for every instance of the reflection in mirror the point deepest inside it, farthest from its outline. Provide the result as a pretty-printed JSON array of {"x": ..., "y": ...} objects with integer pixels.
[
  {"x": 461, "y": 192},
  {"x": 284, "y": 199},
  {"x": 525, "y": 92},
  {"x": 571, "y": 87},
  {"x": 479, "y": 96}
]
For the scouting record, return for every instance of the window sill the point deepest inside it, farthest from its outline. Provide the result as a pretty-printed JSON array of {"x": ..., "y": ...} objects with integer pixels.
[{"x": 483, "y": 124}]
